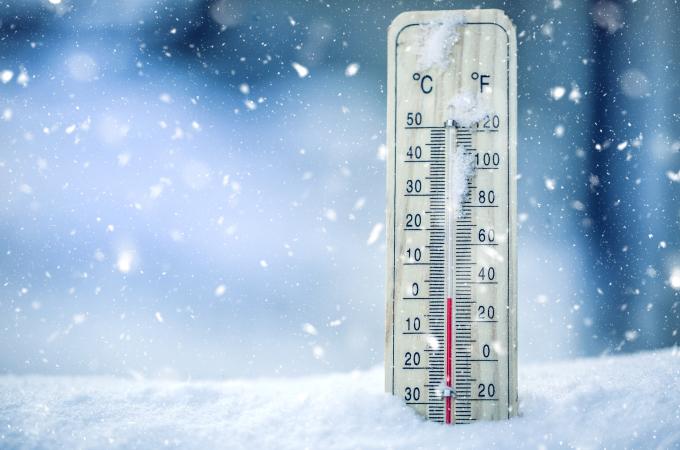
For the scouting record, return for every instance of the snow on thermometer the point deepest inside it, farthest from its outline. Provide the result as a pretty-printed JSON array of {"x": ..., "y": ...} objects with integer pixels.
[{"x": 451, "y": 344}]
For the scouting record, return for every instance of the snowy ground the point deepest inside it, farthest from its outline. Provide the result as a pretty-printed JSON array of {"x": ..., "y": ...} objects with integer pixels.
[{"x": 622, "y": 402}]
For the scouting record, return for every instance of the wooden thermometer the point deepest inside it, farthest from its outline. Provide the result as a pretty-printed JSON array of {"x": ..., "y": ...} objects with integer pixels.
[{"x": 451, "y": 344}]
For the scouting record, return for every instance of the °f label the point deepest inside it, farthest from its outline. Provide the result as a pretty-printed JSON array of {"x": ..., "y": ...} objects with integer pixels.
[{"x": 451, "y": 343}]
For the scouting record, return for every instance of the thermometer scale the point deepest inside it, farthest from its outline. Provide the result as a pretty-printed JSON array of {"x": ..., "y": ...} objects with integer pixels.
[{"x": 451, "y": 342}]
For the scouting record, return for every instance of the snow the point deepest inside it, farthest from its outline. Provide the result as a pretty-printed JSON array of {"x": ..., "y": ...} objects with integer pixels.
[
  {"x": 559, "y": 131},
  {"x": 330, "y": 214},
  {"x": 462, "y": 168},
  {"x": 352, "y": 69},
  {"x": 376, "y": 231},
  {"x": 220, "y": 290},
  {"x": 614, "y": 402},
  {"x": 381, "y": 154},
  {"x": 82, "y": 67},
  {"x": 23, "y": 78},
  {"x": 578, "y": 205},
  {"x": 575, "y": 94},
  {"x": 466, "y": 108},
  {"x": 309, "y": 329},
  {"x": 6, "y": 76},
  {"x": 437, "y": 41},
  {"x": 125, "y": 260},
  {"x": 673, "y": 176},
  {"x": 608, "y": 15},
  {"x": 301, "y": 70},
  {"x": 674, "y": 279},
  {"x": 635, "y": 84},
  {"x": 557, "y": 92}
]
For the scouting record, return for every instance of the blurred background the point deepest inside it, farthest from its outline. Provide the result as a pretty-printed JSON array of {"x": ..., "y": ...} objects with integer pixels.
[{"x": 197, "y": 188}]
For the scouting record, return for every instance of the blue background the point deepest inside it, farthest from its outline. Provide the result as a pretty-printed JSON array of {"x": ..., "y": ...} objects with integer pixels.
[{"x": 176, "y": 201}]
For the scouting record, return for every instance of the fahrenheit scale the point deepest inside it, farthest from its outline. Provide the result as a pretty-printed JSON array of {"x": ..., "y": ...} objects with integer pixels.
[{"x": 451, "y": 343}]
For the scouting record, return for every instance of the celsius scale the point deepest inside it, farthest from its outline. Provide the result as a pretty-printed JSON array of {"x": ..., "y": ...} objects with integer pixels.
[{"x": 451, "y": 342}]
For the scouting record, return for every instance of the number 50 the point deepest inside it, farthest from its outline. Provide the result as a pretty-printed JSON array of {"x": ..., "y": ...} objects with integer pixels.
[{"x": 414, "y": 118}]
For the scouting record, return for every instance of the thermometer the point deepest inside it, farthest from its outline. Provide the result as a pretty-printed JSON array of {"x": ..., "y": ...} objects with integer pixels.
[{"x": 451, "y": 297}]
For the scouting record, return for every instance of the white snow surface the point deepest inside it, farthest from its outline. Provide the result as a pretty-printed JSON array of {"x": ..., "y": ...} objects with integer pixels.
[{"x": 615, "y": 402}]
